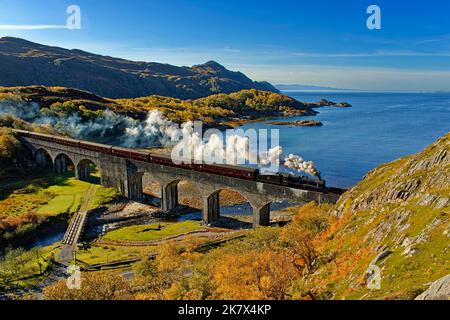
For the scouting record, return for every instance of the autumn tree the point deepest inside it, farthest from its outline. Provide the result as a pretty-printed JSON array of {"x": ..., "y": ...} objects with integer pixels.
[
  {"x": 258, "y": 274},
  {"x": 94, "y": 286},
  {"x": 9, "y": 145},
  {"x": 157, "y": 276},
  {"x": 300, "y": 236}
]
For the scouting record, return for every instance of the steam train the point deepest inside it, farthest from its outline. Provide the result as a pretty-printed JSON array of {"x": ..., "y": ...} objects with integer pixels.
[{"x": 252, "y": 174}]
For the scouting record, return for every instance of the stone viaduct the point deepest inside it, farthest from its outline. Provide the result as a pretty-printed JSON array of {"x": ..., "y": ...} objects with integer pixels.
[{"x": 127, "y": 176}]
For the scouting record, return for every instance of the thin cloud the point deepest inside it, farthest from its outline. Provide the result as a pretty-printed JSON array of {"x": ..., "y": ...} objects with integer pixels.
[
  {"x": 360, "y": 78},
  {"x": 19, "y": 27},
  {"x": 372, "y": 54},
  {"x": 441, "y": 38}
]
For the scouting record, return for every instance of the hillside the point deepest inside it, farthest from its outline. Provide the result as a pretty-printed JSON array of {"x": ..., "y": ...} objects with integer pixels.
[
  {"x": 211, "y": 109},
  {"x": 24, "y": 63},
  {"x": 398, "y": 219}
]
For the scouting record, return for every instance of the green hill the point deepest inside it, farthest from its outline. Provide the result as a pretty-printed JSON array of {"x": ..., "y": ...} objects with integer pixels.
[
  {"x": 211, "y": 109},
  {"x": 397, "y": 218}
]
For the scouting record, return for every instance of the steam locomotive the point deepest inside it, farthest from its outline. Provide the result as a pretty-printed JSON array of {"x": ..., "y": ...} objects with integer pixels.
[{"x": 252, "y": 174}]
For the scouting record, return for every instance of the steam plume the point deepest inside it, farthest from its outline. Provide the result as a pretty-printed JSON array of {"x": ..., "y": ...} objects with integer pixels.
[{"x": 157, "y": 130}]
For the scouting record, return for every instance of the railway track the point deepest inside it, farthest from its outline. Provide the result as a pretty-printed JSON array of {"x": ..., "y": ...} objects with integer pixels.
[{"x": 78, "y": 221}]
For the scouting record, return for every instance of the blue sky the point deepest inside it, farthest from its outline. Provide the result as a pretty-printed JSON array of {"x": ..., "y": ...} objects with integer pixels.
[{"x": 310, "y": 42}]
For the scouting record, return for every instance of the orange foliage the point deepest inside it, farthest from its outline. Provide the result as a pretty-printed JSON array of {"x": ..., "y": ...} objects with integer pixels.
[
  {"x": 94, "y": 286},
  {"x": 265, "y": 274}
]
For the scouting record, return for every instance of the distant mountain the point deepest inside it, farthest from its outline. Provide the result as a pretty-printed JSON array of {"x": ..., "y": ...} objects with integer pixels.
[
  {"x": 299, "y": 87},
  {"x": 24, "y": 63}
]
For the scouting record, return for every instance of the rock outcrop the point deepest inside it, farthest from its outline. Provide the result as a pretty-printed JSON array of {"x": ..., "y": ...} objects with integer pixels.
[
  {"x": 328, "y": 103},
  {"x": 439, "y": 290},
  {"x": 298, "y": 123},
  {"x": 398, "y": 217}
]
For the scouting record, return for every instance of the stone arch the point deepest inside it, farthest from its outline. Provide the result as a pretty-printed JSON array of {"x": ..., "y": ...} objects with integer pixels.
[
  {"x": 140, "y": 186},
  {"x": 63, "y": 163},
  {"x": 190, "y": 193},
  {"x": 151, "y": 185},
  {"x": 43, "y": 158},
  {"x": 85, "y": 169},
  {"x": 212, "y": 204},
  {"x": 180, "y": 191}
]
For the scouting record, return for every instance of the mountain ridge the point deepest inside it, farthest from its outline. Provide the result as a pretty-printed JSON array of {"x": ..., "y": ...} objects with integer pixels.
[
  {"x": 301, "y": 87},
  {"x": 26, "y": 63}
]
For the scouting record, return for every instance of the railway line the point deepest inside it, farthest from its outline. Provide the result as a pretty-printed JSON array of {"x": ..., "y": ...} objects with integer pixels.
[{"x": 76, "y": 227}]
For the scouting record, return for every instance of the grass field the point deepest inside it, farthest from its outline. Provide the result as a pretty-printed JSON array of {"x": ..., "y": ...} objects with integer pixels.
[
  {"x": 151, "y": 231},
  {"x": 27, "y": 201},
  {"x": 24, "y": 268},
  {"x": 104, "y": 254},
  {"x": 50, "y": 195}
]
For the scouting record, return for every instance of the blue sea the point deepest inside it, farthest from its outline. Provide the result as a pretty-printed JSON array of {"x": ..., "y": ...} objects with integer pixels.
[{"x": 378, "y": 128}]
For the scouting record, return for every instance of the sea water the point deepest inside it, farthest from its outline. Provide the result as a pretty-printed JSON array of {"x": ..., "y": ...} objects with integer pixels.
[{"x": 378, "y": 128}]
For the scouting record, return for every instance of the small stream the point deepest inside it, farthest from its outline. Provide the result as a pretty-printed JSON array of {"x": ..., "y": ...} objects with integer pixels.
[
  {"x": 244, "y": 209},
  {"x": 45, "y": 241}
]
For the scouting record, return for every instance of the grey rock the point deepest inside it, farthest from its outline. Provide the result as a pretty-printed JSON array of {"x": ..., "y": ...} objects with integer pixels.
[{"x": 438, "y": 290}]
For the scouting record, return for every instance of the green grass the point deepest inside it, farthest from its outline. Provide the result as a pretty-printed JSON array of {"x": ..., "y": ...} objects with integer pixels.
[
  {"x": 68, "y": 198},
  {"x": 51, "y": 195},
  {"x": 28, "y": 201},
  {"x": 104, "y": 254},
  {"x": 102, "y": 195},
  {"x": 25, "y": 270},
  {"x": 151, "y": 232}
]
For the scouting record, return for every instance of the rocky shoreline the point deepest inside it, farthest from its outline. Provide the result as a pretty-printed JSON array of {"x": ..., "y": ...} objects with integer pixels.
[
  {"x": 289, "y": 112},
  {"x": 298, "y": 123}
]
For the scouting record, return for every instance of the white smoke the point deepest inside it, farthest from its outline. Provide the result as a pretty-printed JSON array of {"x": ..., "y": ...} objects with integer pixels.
[
  {"x": 157, "y": 130},
  {"x": 297, "y": 163},
  {"x": 109, "y": 127},
  {"x": 144, "y": 133},
  {"x": 272, "y": 156},
  {"x": 20, "y": 110}
]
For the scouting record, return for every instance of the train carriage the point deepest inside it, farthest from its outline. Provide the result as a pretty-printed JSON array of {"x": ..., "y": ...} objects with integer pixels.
[
  {"x": 66, "y": 141},
  {"x": 129, "y": 153},
  {"x": 169, "y": 161},
  {"x": 41, "y": 136},
  {"x": 227, "y": 170},
  {"x": 92, "y": 146}
]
